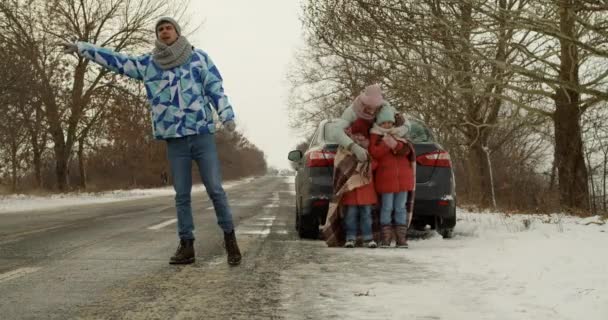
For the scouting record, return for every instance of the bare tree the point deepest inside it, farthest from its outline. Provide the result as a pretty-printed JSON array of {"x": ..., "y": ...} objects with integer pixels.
[
  {"x": 569, "y": 68},
  {"x": 12, "y": 144},
  {"x": 425, "y": 54},
  {"x": 466, "y": 67},
  {"x": 34, "y": 29},
  {"x": 595, "y": 132}
]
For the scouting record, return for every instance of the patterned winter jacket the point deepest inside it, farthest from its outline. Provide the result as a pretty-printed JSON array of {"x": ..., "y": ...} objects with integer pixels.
[{"x": 179, "y": 97}]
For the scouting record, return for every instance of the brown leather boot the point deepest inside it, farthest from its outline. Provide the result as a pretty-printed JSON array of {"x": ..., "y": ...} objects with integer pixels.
[
  {"x": 232, "y": 248},
  {"x": 387, "y": 236},
  {"x": 401, "y": 233},
  {"x": 184, "y": 253}
]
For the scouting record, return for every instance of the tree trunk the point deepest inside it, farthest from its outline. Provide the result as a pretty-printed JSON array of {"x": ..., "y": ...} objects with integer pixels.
[
  {"x": 572, "y": 172},
  {"x": 553, "y": 173},
  {"x": 593, "y": 199},
  {"x": 61, "y": 170},
  {"x": 38, "y": 168},
  {"x": 37, "y": 160},
  {"x": 475, "y": 135},
  {"x": 61, "y": 150},
  {"x": 14, "y": 164},
  {"x": 604, "y": 183},
  {"x": 481, "y": 173},
  {"x": 81, "y": 165}
]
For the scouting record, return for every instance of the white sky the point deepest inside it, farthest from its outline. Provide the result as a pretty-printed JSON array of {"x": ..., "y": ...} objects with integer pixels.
[{"x": 252, "y": 44}]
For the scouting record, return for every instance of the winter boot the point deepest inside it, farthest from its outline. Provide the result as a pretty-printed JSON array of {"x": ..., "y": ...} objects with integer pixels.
[
  {"x": 232, "y": 248},
  {"x": 371, "y": 244},
  {"x": 401, "y": 233},
  {"x": 184, "y": 253},
  {"x": 349, "y": 244},
  {"x": 387, "y": 236}
]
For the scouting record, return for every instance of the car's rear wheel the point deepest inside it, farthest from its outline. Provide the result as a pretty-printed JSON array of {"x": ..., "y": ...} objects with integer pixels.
[
  {"x": 308, "y": 227},
  {"x": 446, "y": 233},
  {"x": 445, "y": 226}
]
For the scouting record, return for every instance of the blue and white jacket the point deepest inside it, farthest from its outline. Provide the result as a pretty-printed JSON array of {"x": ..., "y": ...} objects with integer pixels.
[{"x": 179, "y": 97}]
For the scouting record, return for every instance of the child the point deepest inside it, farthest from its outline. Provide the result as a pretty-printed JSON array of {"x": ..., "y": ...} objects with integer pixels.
[
  {"x": 394, "y": 177},
  {"x": 358, "y": 202}
]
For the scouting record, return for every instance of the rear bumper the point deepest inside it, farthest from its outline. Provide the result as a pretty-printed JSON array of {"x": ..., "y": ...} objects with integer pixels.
[
  {"x": 434, "y": 208},
  {"x": 432, "y": 213},
  {"x": 432, "y": 200}
]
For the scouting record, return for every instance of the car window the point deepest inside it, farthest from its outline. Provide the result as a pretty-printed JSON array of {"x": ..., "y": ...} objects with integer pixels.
[
  {"x": 315, "y": 138},
  {"x": 419, "y": 132},
  {"x": 324, "y": 135}
]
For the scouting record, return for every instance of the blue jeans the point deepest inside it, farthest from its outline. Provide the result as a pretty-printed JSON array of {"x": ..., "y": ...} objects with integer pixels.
[
  {"x": 364, "y": 215},
  {"x": 390, "y": 202},
  {"x": 200, "y": 148}
]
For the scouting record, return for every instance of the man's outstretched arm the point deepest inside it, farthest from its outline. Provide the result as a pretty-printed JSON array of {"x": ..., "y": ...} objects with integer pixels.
[{"x": 133, "y": 67}]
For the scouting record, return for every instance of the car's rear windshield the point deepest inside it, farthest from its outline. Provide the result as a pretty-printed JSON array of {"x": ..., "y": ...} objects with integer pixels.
[{"x": 419, "y": 133}]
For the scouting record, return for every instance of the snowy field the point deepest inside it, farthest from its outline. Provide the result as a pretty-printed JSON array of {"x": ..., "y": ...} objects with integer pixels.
[
  {"x": 496, "y": 267},
  {"x": 20, "y": 202}
]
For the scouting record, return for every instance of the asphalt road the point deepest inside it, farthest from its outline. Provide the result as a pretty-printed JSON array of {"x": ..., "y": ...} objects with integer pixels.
[{"x": 110, "y": 261}]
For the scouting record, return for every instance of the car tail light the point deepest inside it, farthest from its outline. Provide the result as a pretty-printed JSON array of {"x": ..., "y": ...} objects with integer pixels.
[
  {"x": 320, "y": 203},
  {"x": 320, "y": 158},
  {"x": 435, "y": 159},
  {"x": 444, "y": 203}
]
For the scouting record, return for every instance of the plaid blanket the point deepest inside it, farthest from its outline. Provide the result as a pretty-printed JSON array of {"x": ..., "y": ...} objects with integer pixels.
[
  {"x": 409, "y": 205},
  {"x": 350, "y": 174}
]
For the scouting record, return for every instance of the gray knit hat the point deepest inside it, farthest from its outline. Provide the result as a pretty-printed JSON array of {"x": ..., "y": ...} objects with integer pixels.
[{"x": 171, "y": 21}]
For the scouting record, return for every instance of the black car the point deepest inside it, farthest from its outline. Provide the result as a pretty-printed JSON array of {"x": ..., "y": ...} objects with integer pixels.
[{"x": 435, "y": 202}]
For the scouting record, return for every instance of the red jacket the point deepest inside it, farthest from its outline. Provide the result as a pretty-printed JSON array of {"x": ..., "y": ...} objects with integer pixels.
[
  {"x": 364, "y": 195},
  {"x": 394, "y": 173}
]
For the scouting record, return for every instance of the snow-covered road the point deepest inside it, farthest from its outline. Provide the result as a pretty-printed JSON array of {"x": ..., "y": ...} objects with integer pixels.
[{"x": 109, "y": 261}]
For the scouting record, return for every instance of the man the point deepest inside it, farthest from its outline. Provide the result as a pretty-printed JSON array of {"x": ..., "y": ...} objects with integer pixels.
[{"x": 180, "y": 82}]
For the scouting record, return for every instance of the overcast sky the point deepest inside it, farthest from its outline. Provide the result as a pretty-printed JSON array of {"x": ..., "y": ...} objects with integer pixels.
[{"x": 252, "y": 44}]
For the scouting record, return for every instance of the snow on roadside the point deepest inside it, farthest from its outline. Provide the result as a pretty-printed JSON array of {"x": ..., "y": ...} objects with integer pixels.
[
  {"x": 496, "y": 267},
  {"x": 20, "y": 202}
]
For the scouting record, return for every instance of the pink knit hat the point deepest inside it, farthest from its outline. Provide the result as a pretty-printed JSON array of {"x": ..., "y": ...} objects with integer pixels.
[{"x": 370, "y": 96}]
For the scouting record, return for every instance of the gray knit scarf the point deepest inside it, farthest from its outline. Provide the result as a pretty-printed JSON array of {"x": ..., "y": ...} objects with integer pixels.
[{"x": 176, "y": 54}]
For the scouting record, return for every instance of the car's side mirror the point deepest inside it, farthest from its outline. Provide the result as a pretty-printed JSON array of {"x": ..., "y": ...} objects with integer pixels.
[{"x": 295, "y": 155}]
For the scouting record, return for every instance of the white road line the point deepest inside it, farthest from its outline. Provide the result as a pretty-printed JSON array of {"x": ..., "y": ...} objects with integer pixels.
[
  {"x": 17, "y": 273},
  {"x": 264, "y": 224},
  {"x": 162, "y": 225},
  {"x": 263, "y": 232},
  {"x": 10, "y": 240}
]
